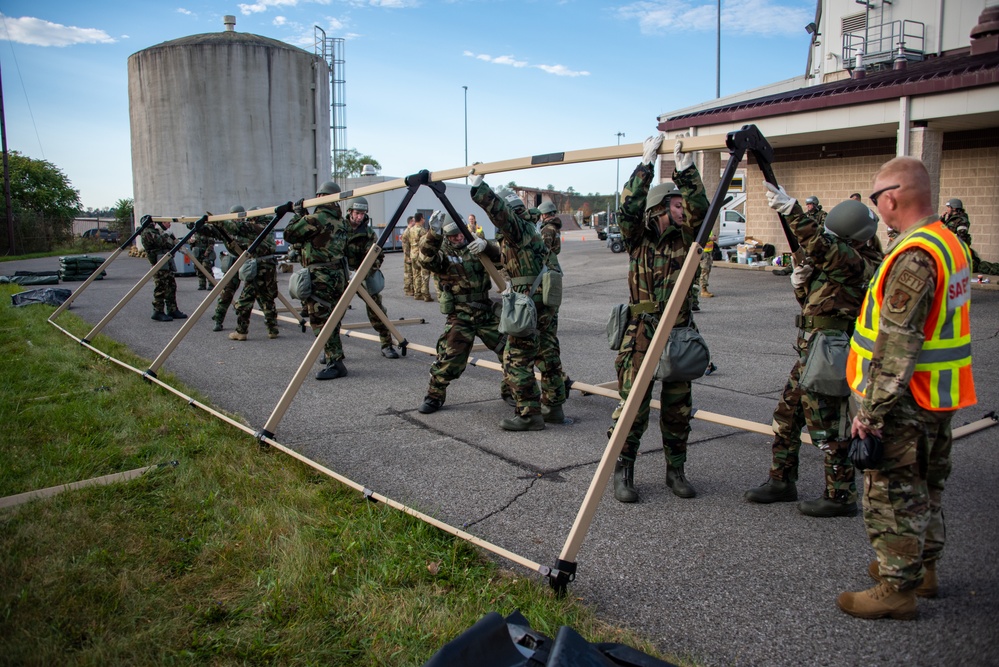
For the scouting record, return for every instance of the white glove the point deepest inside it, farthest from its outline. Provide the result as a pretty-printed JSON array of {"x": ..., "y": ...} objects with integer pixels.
[
  {"x": 683, "y": 161},
  {"x": 801, "y": 274},
  {"x": 650, "y": 148},
  {"x": 477, "y": 245},
  {"x": 436, "y": 222},
  {"x": 779, "y": 200},
  {"x": 475, "y": 180}
]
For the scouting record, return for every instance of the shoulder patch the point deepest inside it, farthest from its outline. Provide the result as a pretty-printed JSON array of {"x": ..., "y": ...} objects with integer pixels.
[
  {"x": 898, "y": 302},
  {"x": 912, "y": 281}
]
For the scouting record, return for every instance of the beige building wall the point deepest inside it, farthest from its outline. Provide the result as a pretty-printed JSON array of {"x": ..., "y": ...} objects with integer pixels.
[{"x": 969, "y": 171}]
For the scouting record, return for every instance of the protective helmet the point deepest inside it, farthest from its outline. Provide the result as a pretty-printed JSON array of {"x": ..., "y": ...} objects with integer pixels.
[
  {"x": 328, "y": 188},
  {"x": 449, "y": 226},
  {"x": 237, "y": 209},
  {"x": 660, "y": 192},
  {"x": 955, "y": 203},
  {"x": 852, "y": 221},
  {"x": 359, "y": 204},
  {"x": 513, "y": 200},
  {"x": 813, "y": 200},
  {"x": 547, "y": 207}
]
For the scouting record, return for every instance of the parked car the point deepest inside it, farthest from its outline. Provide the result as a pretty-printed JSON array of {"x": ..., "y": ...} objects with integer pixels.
[{"x": 105, "y": 235}]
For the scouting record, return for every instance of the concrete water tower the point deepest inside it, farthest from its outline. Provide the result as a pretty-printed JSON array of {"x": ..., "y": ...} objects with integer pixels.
[{"x": 225, "y": 118}]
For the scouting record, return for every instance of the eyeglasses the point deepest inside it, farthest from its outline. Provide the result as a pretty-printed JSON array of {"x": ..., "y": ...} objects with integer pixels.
[{"x": 874, "y": 196}]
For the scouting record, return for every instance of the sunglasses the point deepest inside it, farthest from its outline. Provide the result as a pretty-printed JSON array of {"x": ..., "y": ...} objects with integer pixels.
[{"x": 876, "y": 195}]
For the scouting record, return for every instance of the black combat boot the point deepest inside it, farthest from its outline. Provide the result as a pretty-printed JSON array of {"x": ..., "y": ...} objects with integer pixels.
[
  {"x": 332, "y": 371},
  {"x": 430, "y": 405},
  {"x": 553, "y": 414},
  {"x": 161, "y": 317},
  {"x": 676, "y": 480},
  {"x": 523, "y": 423},
  {"x": 624, "y": 481},
  {"x": 773, "y": 491},
  {"x": 826, "y": 507},
  {"x": 177, "y": 314},
  {"x": 218, "y": 325},
  {"x": 389, "y": 352}
]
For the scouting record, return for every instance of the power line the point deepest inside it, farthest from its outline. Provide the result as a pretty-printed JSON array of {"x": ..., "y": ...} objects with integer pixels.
[{"x": 21, "y": 79}]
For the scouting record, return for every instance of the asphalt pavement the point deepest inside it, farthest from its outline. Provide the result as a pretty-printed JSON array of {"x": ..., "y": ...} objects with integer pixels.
[{"x": 714, "y": 578}]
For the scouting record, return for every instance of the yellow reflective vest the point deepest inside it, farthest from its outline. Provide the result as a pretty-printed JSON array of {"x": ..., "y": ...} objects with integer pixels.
[{"x": 942, "y": 378}]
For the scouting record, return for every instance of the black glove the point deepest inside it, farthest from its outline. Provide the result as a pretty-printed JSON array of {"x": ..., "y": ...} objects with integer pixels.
[
  {"x": 145, "y": 219},
  {"x": 866, "y": 453},
  {"x": 300, "y": 208}
]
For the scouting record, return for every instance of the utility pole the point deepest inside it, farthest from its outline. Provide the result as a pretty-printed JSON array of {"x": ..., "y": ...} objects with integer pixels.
[
  {"x": 465, "y": 88},
  {"x": 6, "y": 176},
  {"x": 617, "y": 180}
]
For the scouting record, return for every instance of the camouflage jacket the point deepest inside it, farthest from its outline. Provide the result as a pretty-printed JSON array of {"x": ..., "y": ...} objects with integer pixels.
[
  {"x": 900, "y": 332},
  {"x": 654, "y": 258},
  {"x": 359, "y": 241},
  {"x": 523, "y": 250},
  {"x": 323, "y": 236},
  {"x": 551, "y": 232},
  {"x": 156, "y": 241},
  {"x": 820, "y": 217},
  {"x": 244, "y": 232},
  {"x": 460, "y": 272},
  {"x": 407, "y": 244},
  {"x": 842, "y": 270},
  {"x": 203, "y": 239},
  {"x": 959, "y": 223}
]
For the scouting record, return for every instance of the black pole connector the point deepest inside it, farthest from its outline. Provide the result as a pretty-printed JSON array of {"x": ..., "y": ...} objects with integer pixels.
[
  {"x": 260, "y": 435},
  {"x": 403, "y": 346},
  {"x": 369, "y": 495},
  {"x": 561, "y": 576}
]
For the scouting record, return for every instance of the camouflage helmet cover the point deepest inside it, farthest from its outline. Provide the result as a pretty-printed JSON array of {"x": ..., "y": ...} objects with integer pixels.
[
  {"x": 660, "y": 192},
  {"x": 328, "y": 188},
  {"x": 547, "y": 207},
  {"x": 510, "y": 197},
  {"x": 955, "y": 203},
  {"x": 237, "y": 209},
  {"x": 852, "y": 220},
  {"x": 359, "y": 204},
  {"x": 449, "y": 226}
]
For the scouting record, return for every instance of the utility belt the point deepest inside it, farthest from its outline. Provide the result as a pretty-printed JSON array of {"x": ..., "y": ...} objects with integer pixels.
[
  {"x": 528, "y": 281},
  {"x": 646, "y": 308},
  {"x": 812, "y": 322},
  {"x": 335, "y": 264},
  {"x": 471, "y": 298}
]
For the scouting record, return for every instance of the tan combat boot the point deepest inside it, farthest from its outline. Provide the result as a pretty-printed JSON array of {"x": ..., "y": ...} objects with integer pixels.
[
  {"x": 705, "y": 294},
  {"x": 927, "y": 589},
  {"x": 879, "y": 602},
  {"x": 235, "y": 335}
]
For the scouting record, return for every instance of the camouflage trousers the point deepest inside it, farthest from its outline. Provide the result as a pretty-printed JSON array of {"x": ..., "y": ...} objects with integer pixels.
[
  {"x": 407, "y": 275},
  {"x": 902, "y": 496},
  {"x": 327, "y": 288},
  {"x": 225, "y": 299},
  {"x": 376, "y": 322},
  {"x": 205, "y": 255},
  {"x": 520, "y": 357},
  {"x": 827, "y": 418},
  {"x": 262, "y": 289},
  {"x": 421, "y": 281},
  {"x": 707, "y": 261},
  {"x": 676, "y": 398},
  {"x": 455, "y": 345},
  {"x": 990, "y": 268},
  {"x": 164, "y": 290}
]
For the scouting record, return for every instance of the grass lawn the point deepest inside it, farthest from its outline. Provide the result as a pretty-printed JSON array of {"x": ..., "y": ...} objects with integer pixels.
[{"x": 232, "y": 556}]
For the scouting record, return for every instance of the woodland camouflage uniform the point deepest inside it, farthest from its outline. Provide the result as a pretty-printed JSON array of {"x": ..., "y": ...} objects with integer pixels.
[
  {"x": 830, "y": 301},
  {"x": 958, "y": 222},
  {"x": 524, "y": 254},
  {"x": 551, "y": 232},
  {"x": 464, "y": 284},
  {"x": 654, "y": 263},
  {"x": 323, "y": 236},
  {"x": 359, "y": 241},
  {"x": 203, "y": 249},
  {"x": 156, "y": 241},
  {"x": 263, "y": 287},
  {"x": 235, "y": 246}
]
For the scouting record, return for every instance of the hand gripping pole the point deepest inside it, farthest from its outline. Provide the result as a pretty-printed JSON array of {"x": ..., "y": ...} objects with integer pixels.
[
  {"x": 207, "y": 302},
  {"x": 167, "y": 257}
]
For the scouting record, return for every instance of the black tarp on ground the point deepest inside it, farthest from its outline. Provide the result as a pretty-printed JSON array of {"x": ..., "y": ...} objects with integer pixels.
[{"x": 54, "y": 296}]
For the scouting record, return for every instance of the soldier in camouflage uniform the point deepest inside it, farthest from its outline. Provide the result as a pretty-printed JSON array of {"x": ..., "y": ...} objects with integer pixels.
[
  {"x": 156, "y": 241},
  {"x": 407, "y": 258},
  {"x": 464, "y": 298},
  {"x": 910, "y": 370},
  {"x": 203, "y": 249},
  {"x": 524, "y": 256},
  {"x": 234, "y": 246},
  {"x": 421, "y": 279},
  {"x": 658, "y": 226},
  {"x": 830, "y": 286},
  {"x": 814, "y": 210},
  {"x": 957, "y": 221},
  {"x": 262, "y": 288},
  {"x": 323, "y": 236},
  {"x": 551, "y": 227},
  {"x": 360, "y": 238}
]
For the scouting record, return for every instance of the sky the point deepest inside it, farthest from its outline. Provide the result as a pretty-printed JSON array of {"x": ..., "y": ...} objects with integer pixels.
[{"x": 543, "y": 76}]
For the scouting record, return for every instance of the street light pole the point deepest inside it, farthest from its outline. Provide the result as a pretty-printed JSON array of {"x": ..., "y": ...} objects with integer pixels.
[
  {"x": 617, "y": 180},
  {"x": 465, "y": 88}
]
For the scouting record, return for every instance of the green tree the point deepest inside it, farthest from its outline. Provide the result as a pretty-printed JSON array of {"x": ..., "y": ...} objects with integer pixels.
[
  {"x": 350, "y": 164},
  {"x": 44, "y": 203},
  {"x": 124, "y": 216}
]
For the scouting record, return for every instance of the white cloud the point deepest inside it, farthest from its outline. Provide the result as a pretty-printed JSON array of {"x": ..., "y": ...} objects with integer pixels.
[
  {"x": 38, "y": 32},
  {"x": 185, "y": 12},
  {"x": 279, "y": 20},
  {"x": 747, "y": 17},
  {"x": 558, "y": 70},
  {"x": 388, "y": 4},
  {"x": 334, "y": 24},
  {"x": 561, "y": 70},
  {"x": 264, "y": 5}
]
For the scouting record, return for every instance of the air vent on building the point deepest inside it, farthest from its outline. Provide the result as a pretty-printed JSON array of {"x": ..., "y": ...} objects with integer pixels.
[{"x": 853, "y": 23}]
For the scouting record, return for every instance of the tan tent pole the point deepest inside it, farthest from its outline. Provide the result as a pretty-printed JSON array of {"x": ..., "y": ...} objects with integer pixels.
[
  {"x": 86, "y": 283},
  {"x": 317, "y": 345},
  {"x": 28, "y": 496},
  {"x": 199, "y": 266},
  {"x": 193, "y": 318},
  {"x": 167, "y": 257},
  {"x": 380, "y": 314},
  {"x": 399, "y": 323},
  {"x": 986, "y": 422},
  {"x": 631, "y": 406}
]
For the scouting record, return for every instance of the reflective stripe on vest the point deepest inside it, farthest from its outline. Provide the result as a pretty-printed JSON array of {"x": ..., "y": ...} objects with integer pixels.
[{"x": 942, "y": 377}]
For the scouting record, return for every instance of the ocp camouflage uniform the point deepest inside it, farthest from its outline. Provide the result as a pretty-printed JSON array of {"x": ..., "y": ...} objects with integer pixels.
[
  {"x": 830, "y": 302},
  {"x": 156, "y": 241},
  {"x": 903, "y": 494},
  {"x": 407, "y": 261},
  {"x": 524, "y": 254},
  {"x": 464, "y": 292},
  {"x": 654, "y": 263},
  {"x": 323, "y": 236},
  {"x": 263, "y": 287},
  {"x": 359, "y": 241},
  {"x": 203, "y": 249}
]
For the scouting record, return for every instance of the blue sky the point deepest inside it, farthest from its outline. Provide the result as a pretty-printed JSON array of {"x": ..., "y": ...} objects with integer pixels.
[{"x": 542, "y": 75}]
